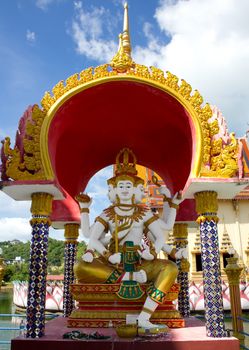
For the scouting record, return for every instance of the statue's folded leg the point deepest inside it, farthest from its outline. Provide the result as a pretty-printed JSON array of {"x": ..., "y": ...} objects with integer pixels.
[
  {"x": 98, "y": 271},
  {"x": 162, "y": 275}
]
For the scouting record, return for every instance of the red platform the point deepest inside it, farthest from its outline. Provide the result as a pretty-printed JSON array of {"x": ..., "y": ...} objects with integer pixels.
[{"x": 192, "y": 337}]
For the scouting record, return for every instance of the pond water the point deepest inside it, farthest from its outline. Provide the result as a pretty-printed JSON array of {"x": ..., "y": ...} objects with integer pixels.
[{"x": 6, "y": 307}]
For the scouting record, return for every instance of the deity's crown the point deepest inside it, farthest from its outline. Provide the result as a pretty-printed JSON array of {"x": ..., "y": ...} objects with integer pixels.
[
  {"x": 125, "y": 168},
  {"x": 123, "y": 164}
]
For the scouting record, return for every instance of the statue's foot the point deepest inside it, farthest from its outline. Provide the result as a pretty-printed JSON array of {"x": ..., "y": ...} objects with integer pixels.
[
  {"x": 143, "y": 323},
  {"x": 140, "y": 276}
]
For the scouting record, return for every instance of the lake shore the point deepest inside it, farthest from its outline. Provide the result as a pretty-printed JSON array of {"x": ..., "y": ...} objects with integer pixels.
[{"x": 6, "y": 287}]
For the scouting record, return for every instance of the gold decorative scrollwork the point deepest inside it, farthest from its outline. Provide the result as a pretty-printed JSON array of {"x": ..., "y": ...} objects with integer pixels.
[
  {"x": 172, "y": 81},
  {"x": 157, "y": 75},
  {"x": 185, "y": 89},
  {"x": 214, "y": 127},
  {"x": 101, "y": 71},
  {"x": 196, "y": 99},
  {"x": 224, "y": 160},
  {"x": 122, "y": 61},
  {"x": 26, "y": 164}
]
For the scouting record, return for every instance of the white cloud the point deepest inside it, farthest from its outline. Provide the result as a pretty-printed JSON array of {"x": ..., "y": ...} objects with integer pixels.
[
  {"x": 208, "y": 47},
  {"x": 30, "y": 36},
  {"x": 11, "y": 208},
  {"x": 14, "y": 228},
  {"x": 43, "y": 4},
  {"x": 19, "y": 228},
  {"x": 118, "y": 2},
  {"x": 77, "y": 5},
  {"x": 90, "y": 30}
]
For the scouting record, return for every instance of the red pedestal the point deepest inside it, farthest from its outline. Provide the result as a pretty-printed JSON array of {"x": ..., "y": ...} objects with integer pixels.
[{"x": 192, "y": 337}]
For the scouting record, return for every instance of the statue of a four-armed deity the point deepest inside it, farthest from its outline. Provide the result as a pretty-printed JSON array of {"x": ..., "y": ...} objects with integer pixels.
[{"x": 125, "y": 239}]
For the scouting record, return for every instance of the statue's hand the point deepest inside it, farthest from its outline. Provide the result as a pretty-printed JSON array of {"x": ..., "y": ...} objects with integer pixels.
[
  {"x": 115, "y": 258},
  {"x": 145, "y": 253},
  {"x": 182, "y": 253},
  {"x": 177, "y": 199},
  {"x": 84, "y": 200},
  {"x": 163, "y": 190},
  {"x": 87, "y": 257},
  {"x": 167, "y": 248}
]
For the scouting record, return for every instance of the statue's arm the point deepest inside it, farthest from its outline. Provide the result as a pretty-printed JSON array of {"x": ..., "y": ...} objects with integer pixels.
[
  {"x": 170, "y": 220},
  {"x": 165, "y": 192},
  {"x": 95, "y": 242},
  {"x": 85, "y": 224},
  {"x": 84, "y": 202},
  {"x": 154, "y": 225},
  {"x": 170, "y": 207},
  {"x": 98, "y": 239}
]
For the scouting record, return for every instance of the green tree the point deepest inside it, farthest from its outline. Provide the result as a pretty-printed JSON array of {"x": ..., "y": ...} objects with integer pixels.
[
  {"x": 8, "y": 273},
  {"x": 21, "y": 272},
  {"x": 81, "y": 249}
]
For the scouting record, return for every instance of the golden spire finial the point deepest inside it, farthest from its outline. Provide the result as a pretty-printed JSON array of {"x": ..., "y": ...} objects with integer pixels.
[
  {"x": 122, "y": 61},
  {"x": 126, "y": 33}
]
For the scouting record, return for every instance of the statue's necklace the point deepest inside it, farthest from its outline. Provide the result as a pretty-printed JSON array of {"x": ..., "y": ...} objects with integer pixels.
[
  {"x": 122, "y": 207},
  {"x": 139, "y": 212}
]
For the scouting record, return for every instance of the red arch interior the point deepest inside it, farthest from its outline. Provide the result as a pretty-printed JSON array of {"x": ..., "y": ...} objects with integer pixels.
[{"x": 90, "y": 128}]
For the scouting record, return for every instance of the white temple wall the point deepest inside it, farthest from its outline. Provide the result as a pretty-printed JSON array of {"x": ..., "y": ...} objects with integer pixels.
[{"x": 234, "y": 218}]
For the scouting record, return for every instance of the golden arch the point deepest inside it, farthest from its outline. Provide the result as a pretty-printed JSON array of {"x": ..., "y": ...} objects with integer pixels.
[{"x": 153, "y": 77}]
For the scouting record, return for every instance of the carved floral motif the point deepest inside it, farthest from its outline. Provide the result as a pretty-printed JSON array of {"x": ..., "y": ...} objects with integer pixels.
[{"x": 23, "y": 162}]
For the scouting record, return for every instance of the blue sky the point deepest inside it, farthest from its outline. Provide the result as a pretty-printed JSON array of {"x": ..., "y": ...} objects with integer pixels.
[{"x": 206, "y": 42}]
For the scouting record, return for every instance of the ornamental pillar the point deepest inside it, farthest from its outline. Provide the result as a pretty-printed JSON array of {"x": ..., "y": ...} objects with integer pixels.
[
  {"x": 41, "y": 208},
  {"x": 207, "y": 207},
  {"x": 233, "y": 271},
  {"x": 71, "y": 234},
  {"x": 180, "y": 233}
]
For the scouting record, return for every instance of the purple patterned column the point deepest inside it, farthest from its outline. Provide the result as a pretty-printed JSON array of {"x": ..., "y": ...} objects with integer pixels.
[
  {"x": 41, "y": 208},
  {"x": 207, "y": 207},
  {"x": 180, "y": 233},
  {"x": 71, "y": 235}
]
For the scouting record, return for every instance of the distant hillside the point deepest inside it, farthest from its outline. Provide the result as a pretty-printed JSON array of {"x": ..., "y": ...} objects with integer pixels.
[{"x": 13, "y": 249}]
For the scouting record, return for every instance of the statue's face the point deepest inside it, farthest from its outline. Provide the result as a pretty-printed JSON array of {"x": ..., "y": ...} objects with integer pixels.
[
  {"x": 125, "y": 190},
  {"x": 139, "y": 193}
]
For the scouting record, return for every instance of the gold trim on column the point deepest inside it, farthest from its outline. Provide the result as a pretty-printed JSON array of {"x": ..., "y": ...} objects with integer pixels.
[
  {"x": 180, "y": 232},
  {"x": 71, "y": 232},
  {"x": 44, "y": 220},
  {"x": 184, "y": 265},
  {"x": 233, "y": 271},
  {"x": 206, "y": 202},
  {"x": 41, "y": 204}
]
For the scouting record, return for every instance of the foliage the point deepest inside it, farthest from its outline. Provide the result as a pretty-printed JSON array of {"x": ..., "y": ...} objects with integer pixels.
[
  {"x": 16, "y": 272},
  {"x": 81, "y": 249},
  {"x": 19, "y": 271},
  {"x": 11, "y": 251},
  {"x": 55, "y": 252}
]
